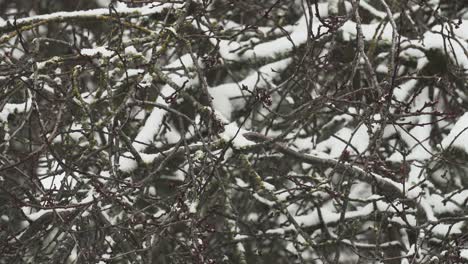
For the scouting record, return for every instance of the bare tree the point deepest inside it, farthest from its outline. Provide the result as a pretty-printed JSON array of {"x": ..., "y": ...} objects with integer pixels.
[{"x": 224, "y": 131}]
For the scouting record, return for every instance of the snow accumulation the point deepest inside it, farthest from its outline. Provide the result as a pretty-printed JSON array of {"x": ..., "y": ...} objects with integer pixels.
[
  {"x": 103, "y": 51},
  {"x": 33, "y": 216},
  {"x": 433, "y": 39},
  {"x": 222, "y": 94},
  {"x": 132, "y": 73},
  {"x": 56, "y": 181},
  {"x": 460, "y": 31},
  {"x": 231, "y": 25},
  {"x": 299, "y": 35},
  {"x": 223, "y": 108},
  {"x": 418, "y": 140},
  {"x": 458, "y": 136},
  {"x": 329, "y": 217},
  {"x": 444, "y": 230},
  {"x": 436, "y": 41},
  {"x": 333, "y": 6},
  {"x": 235, "y": 133},
  {"x": 448, "y": 203},
  {"x": 372, "y": 10},
  {"x": 358, "y": 139},
  {"x": 154, "y": 121},
  {"x": 12, "y": 108},
  {"x": 152, "y": 125},
  {"x": 121, "y": 8},
  {"x": 241, "y": 183},
  {"x": 263, "y": 200},
  {"x": 127, "y": 163},
  {"x": 403, "y": 91},
  {"x": 146, "y": 81},
  {"x": 131, "y": 50},
  {"x": 464, "y": 253},
  {"x": 147, "y": 133}
]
